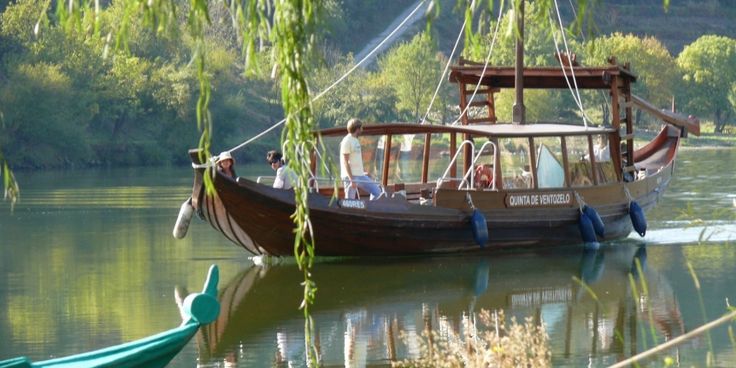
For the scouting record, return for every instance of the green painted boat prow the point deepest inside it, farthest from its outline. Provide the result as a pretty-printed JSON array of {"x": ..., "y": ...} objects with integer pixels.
[{"x": 197, "y": 309}]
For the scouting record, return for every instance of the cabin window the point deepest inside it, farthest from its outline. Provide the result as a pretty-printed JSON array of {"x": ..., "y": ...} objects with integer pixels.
[
  {"x": 440, "y": 155},
  {"x": 373, "y": 155},
  {"x": 550, "y": 170},
  {"x": 411, "y": 151},
  {"x": 604, "y": 165},
  {"x": 330, "y": 155},
  {"x": 403, "y": 164},
  {"x": 515, "y": 166},
  {"x": 578, "y": 157}
]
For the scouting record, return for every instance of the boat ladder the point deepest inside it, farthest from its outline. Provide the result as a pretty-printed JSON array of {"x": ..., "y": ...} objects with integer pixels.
[{"x": 468, "y": 180}]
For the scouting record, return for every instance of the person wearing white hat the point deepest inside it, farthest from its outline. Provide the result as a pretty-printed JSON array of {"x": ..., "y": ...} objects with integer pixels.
[{"x": 225, "y": 163}]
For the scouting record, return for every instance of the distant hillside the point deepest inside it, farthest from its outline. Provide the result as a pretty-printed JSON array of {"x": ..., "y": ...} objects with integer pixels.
[{"x": 682, "y": 24}]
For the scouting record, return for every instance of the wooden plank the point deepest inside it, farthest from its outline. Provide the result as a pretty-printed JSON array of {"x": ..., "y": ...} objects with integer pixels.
[
  {"x": 453, "y": 148},
  {"x": 425, "y": 157},
  {"x": 479, "y": 103},
  {"x": 479, "y": 120},
  {"x": 386, "y": 159},
  {"x": 614, "y": 142},
  {"x": 565, "y": 162},
  {"x": 533, "y": 163},
  {"x": 503, "y": 77},
  {"x": 481, "y": 91},
  {"x": 629, "y": 124},
  {"x": 692, "y": 124},
  {"x": 491, "y": 108},
  {"x": 591, "y": 154},
  {"x": 463, "y": 104}
]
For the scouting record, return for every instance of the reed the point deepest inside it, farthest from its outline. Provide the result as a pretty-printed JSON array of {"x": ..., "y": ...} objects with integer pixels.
[{"x": 485, "y": 339}]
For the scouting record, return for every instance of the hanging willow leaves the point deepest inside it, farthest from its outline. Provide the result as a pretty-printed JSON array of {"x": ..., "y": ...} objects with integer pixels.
[
  {"x": 12, "y": 191},
  {"x": 291, "y": 34},
  {"x": 293, "y": 27}
]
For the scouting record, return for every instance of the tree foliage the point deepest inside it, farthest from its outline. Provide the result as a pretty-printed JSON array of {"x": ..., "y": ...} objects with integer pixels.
[
  {"x": 658, "y": 77},
  {"x": 363, "y": 93},
  {"x": 709, "y": 73},
  {"x": 413, "y": 70}
]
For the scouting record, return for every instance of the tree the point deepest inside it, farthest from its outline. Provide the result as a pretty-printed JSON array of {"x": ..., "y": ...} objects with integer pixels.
[
  {"x": 657, "y": 72},
  {"x": 709, "y": 75},
  {"x": 658, "y": 77},
  {"x": 363, "y": 94},
  {"x": 40, "y": 113},
  {"x": 413, "y": 70},
  {"x": 539, "y": 49}
]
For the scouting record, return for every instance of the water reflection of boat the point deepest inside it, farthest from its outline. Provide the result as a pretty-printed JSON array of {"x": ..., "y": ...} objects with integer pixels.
[
  {"x": 360, "y": 311},
  {"x": 196, "y": 310}
]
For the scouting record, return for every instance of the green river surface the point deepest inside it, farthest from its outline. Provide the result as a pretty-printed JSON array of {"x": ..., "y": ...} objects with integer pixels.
[{"x": 87, "y": 260}]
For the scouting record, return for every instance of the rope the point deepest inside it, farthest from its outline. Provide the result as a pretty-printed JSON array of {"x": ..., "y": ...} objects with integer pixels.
[
  {"x": 576, "y": 92},
  {"x": 485, "y": 65},
  {"x": 469, "y": 200},
  {"x": 628, "y": 194},
  {"x": 339, "y": 80},
  {"x": 579, "y": 199},
  {"x": 572, "y": 69},
  {"x": 575, "y": 14},
  {"x": 447, "y": 66},
  {"x": 582, "y": 35},
  {"x": 209, "y": 163}
]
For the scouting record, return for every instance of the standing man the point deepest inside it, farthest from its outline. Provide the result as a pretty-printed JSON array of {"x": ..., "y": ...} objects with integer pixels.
[{"x": 351, "y": 164}]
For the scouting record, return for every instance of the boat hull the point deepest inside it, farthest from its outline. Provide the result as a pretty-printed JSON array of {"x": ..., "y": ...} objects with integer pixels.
[{"x": 258, "y": 217}]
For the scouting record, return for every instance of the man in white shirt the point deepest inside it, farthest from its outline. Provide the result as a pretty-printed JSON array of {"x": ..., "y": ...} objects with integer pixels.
[{"x": 351, "y": 164}]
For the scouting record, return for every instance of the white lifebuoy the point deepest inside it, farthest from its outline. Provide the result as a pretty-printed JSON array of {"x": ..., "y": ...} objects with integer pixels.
[{"x": 183, "y": 220}]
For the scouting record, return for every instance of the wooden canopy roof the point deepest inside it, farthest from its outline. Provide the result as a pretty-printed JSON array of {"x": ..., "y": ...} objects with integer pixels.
[
  {"x": 545, "y": 77},
  {"x": 496, "y": 130}
]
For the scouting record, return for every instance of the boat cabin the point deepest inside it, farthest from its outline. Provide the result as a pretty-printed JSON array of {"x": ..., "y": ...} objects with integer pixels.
[
  {"x": 414, "y": 159},
  {"x": 483, "y": 154},
  {"x": 480, "y": 153}
]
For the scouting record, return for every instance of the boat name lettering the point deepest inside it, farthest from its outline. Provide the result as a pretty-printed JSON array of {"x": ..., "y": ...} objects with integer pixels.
[
  {"x": 352, "y": 203},
  {"x": 539, "y": 199}
]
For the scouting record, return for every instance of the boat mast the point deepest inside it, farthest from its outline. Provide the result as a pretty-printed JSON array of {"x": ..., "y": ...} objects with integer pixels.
[{"x": 519, "y": 109}]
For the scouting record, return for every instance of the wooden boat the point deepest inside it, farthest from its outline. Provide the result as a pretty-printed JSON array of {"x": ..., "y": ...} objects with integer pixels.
[
  {"x": 437, "y": 211},
  {"x": 506, "y": 185},
  {"x": 197, "y": 309}
]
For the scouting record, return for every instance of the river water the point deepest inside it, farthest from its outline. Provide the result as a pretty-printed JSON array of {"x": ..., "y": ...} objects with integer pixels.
[{"x": 87, "y": 260}]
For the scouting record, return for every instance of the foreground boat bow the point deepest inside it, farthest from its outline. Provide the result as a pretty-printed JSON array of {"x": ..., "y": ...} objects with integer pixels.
[{"x": 197, "y": 309}]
